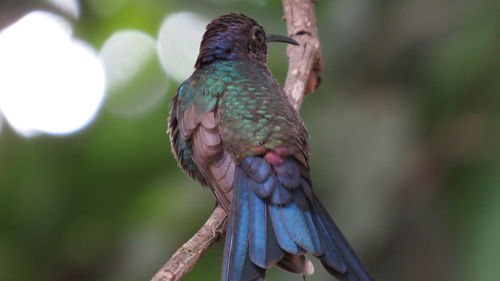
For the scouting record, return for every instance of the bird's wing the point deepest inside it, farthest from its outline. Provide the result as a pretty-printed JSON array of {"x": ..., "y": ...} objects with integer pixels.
[{"x": 196, "y": 141}]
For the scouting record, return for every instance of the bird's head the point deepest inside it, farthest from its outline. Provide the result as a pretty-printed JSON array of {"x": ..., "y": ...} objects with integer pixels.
[{"x": 236, "y": 37}]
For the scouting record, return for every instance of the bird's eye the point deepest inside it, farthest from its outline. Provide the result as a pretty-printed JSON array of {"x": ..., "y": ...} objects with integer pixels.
[{"x": 259, "y": 35}]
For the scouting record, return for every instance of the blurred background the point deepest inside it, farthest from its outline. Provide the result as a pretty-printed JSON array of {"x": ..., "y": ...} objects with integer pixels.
[{"x": 405, "y": 135}]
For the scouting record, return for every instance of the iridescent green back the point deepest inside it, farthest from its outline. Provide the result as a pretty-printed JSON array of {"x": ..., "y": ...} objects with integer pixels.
[{"x": 253, "y": 113}]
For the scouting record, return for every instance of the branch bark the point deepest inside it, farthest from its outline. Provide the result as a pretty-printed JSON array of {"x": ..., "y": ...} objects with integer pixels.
[
  {"x": 305, "y": 61},
  {"x": 302, "y": 79},
  {"x": 188, "y": 255}
]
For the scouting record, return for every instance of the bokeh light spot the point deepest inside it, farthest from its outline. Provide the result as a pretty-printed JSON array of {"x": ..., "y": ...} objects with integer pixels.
[
  {"x": 178, "y": 43},
  {"x": 71, "y": 7},
  {"x": 1, "y": 122},
  {"x": 51, "y": 83},
  {"x": 135, "y": 79}
]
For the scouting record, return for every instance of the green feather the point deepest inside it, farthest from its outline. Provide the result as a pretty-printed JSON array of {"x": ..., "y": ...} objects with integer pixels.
[{"x": 252, "y": 109}]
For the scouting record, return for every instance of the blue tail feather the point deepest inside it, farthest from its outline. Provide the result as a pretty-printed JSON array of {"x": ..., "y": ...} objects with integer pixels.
[
  {"x": 237, "y": 265},
  {"x": 317, "y": 245},
  {"x": 354, "y": 269},
  {"x": 331, "y": 254},
  {"x": 296, "y": 226},
  {"x": 299, "y": 199},
  {"x": 284, "y": 240},
  {"x": 265, "y": 229},
  {"x": 280, "y": 196},
  {"x": 264, "y": 250}
]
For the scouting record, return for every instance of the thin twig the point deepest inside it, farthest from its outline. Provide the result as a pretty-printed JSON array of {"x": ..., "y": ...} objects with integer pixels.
[
  {"x": 188, "y": 255},
  {"x": 303, "y": 77}
]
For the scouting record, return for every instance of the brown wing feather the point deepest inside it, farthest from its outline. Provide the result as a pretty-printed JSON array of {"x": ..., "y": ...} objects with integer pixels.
[
  {"x": 216, "y": 166},
  {"x": 181, "y": 146}
]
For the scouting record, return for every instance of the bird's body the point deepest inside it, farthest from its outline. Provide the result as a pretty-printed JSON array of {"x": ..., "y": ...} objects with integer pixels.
[{"x": 233, "y": 129}]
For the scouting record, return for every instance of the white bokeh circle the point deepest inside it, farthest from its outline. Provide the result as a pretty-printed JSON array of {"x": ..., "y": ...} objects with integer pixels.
[
  {"x": 123, "y": 55},
  {"x": 50, "y": 82},
  {"x": 135, "y": 79},
  {"x": 178, "y": 43}
]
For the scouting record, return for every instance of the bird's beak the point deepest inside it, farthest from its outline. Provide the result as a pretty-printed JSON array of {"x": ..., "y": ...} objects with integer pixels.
[{"x": 279, "y": 38}]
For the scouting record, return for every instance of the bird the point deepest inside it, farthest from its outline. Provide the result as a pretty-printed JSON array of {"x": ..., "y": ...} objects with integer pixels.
[{"x": 233, "y": 130}]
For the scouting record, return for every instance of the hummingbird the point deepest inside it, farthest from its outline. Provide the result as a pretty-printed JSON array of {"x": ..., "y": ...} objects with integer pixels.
[{"x": 233, "y": 130}]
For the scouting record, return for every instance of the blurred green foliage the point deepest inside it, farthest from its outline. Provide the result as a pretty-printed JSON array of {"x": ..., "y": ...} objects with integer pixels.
[{"x": 405, "y": 133}]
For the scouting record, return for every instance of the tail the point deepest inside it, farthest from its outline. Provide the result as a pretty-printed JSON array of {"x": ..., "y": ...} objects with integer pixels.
[
  {"x": 275, "y": 220},
  {"x": 338, "y": 257}
]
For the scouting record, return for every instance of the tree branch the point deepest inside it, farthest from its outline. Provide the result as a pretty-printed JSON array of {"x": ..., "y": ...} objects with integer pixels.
[
  {"x": 305, "y": 62},
  {"x": 302, "y": 79},
  {"x": 188, "y": 255}
]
